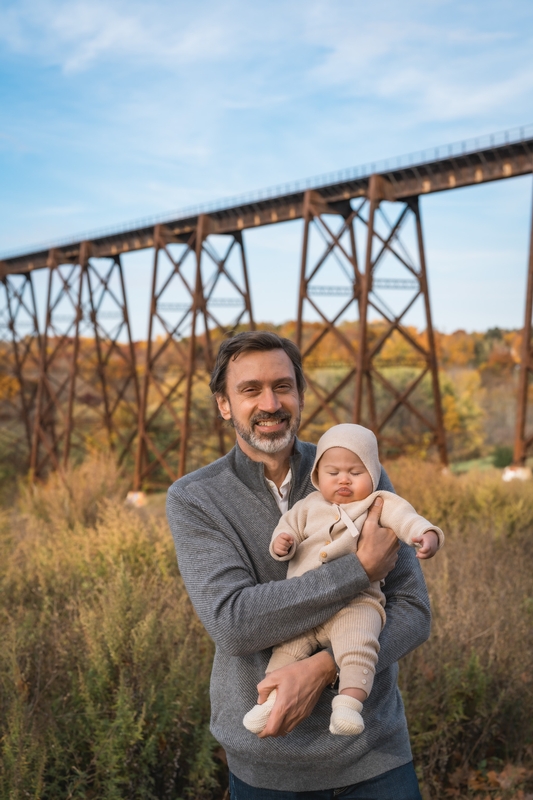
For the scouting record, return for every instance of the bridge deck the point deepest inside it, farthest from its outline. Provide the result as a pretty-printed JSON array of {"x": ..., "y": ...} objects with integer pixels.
[{"x": 499, "y": 156}]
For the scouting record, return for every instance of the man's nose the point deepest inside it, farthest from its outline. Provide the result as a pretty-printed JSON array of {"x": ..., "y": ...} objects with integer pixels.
[{"x": 269, "y": 401}]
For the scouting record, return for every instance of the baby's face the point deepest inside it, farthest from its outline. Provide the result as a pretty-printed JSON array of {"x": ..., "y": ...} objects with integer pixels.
[{"x": 342, "y": 476}]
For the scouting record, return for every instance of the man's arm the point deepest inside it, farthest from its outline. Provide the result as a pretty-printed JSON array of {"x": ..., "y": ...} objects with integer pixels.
[
  {"x": 408, "y": 620},
  {"x": 239, "y": 614}
]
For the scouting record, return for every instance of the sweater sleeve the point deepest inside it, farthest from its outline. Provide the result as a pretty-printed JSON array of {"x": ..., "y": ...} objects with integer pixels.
[
  {"x": 400, "y": 515},
  {"x": 241, "y": 615},
  {"x": 293, "y": 522}
]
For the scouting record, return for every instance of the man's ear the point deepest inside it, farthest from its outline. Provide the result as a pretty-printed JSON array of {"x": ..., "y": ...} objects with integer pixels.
[{"x": 223, "y": 406}]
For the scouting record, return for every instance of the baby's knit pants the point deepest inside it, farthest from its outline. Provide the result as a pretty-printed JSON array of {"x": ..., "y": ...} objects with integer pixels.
[{"x": 353, "y": 635}]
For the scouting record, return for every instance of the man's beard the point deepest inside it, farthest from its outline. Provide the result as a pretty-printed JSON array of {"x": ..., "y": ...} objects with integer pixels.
[{"x": 268, "y": 442}]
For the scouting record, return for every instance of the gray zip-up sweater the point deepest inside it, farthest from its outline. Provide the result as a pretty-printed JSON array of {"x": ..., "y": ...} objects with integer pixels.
[{"x": 222, "y": 518}]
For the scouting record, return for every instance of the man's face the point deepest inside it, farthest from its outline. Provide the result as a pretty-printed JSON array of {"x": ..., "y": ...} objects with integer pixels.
[{"x": 262, "y": 400}]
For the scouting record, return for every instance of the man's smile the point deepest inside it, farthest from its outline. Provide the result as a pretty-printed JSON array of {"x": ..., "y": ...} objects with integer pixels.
[
  {"x": 272, "y": 424},
  {"x": 275, "y": 423}
]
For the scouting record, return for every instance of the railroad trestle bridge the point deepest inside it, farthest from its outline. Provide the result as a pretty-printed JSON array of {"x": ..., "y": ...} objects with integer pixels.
[{"x": 75, "y": 375}]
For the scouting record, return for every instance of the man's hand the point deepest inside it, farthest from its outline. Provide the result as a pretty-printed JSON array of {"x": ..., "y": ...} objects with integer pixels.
[
  {"x": 377, "y": 547},
  {"x": 282, "y": 544},
  {"x": 299, "y": 686}
]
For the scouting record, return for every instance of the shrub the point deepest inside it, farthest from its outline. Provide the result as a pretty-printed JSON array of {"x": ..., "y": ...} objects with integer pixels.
[{"x": 502, "y": 456}]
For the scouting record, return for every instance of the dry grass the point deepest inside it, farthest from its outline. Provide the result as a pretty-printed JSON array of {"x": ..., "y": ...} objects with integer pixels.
[
  {"x": 469, "y": 690},
  {"x": 104, "y": 668}
]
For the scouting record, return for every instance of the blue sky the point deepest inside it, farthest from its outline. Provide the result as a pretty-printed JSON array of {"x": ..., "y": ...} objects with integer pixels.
[{"x": 115, "y": 110}]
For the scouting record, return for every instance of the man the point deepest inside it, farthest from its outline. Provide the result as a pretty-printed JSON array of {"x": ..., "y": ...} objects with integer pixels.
[{"x": 222, "y": 518}]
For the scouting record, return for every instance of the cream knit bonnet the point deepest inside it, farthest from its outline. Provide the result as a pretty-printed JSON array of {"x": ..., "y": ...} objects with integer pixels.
[{"x": 358, "y": 440}]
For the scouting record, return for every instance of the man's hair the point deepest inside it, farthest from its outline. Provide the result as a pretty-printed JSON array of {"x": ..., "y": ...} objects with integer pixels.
[{"x": 247, "y": 342}]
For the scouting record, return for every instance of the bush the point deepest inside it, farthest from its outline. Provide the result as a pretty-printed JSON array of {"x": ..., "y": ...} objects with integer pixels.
[{"x": 502, "y": 457}]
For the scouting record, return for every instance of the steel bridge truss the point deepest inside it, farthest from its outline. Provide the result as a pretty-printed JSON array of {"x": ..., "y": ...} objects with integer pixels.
[
  {"x": 88, "y": 387},
  {"x": 184, "y": 354},
  {"x": 73, "y": 379},
  {"x": 377, "y": 390},
  {"x": 80, "y": 382},
  {"x": 20, "y": 342}
]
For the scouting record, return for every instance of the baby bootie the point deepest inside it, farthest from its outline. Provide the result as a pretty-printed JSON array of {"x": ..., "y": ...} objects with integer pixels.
[
  {"x": 256, "y": 719},
  {"x": 346, "y": 719}
]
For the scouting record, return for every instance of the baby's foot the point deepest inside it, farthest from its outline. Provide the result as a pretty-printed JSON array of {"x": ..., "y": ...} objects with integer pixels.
[
  {"x": 346, "y": 719},
  {"x": 256, "y": 719}
]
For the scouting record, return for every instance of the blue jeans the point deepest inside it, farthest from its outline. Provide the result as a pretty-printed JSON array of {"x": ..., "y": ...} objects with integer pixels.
[{"x": 397, "y": 784}]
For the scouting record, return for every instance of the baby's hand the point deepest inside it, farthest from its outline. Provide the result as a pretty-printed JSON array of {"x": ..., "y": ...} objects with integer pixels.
[
  {"x": 282, "y": 544},
  {"x": 429, "y": 544}
]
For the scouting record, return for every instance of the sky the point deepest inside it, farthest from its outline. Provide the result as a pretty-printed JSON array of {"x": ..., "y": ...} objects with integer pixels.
[{"x": 112, "y": 111}]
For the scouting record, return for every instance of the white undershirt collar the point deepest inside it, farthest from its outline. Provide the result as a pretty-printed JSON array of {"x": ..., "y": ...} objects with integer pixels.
[{"x": 281, "y": 495}]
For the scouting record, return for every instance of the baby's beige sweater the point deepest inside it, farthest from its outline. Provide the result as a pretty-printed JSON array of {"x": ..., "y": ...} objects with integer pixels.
[{"x": 320, "y": 534}]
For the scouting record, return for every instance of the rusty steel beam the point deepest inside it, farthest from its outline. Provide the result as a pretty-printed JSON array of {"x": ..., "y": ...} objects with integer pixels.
[
  {"x": 439, "y": 431},
  {"x": 198, "y": 282},
  {"x": 107, "y": 310},
  {"x": 523, "y": 438}
]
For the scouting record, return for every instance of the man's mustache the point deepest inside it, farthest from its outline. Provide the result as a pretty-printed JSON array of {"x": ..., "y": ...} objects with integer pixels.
[{"x": 276, "y": 416}]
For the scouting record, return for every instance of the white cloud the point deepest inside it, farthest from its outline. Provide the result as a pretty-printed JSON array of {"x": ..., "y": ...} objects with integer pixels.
[
  {"x": 438, "y": 69},
  {"x": 435, "y": 59},
  {"x": 77, "y": 34}
]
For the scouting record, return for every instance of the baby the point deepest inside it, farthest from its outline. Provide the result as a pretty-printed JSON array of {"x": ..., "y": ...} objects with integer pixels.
[{"x": 322, "y": 527}]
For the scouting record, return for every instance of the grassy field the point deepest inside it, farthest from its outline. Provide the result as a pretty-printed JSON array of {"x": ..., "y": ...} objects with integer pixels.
[{"x": 104, "y": 668}]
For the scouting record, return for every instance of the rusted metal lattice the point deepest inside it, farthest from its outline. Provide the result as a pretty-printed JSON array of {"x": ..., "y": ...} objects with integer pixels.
[
  {"x": 191, "y": 284},
  {"x": 20, "y": 343},
  {"x": 88, "y": 389},
  {"x": 361, "y": 386}
]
